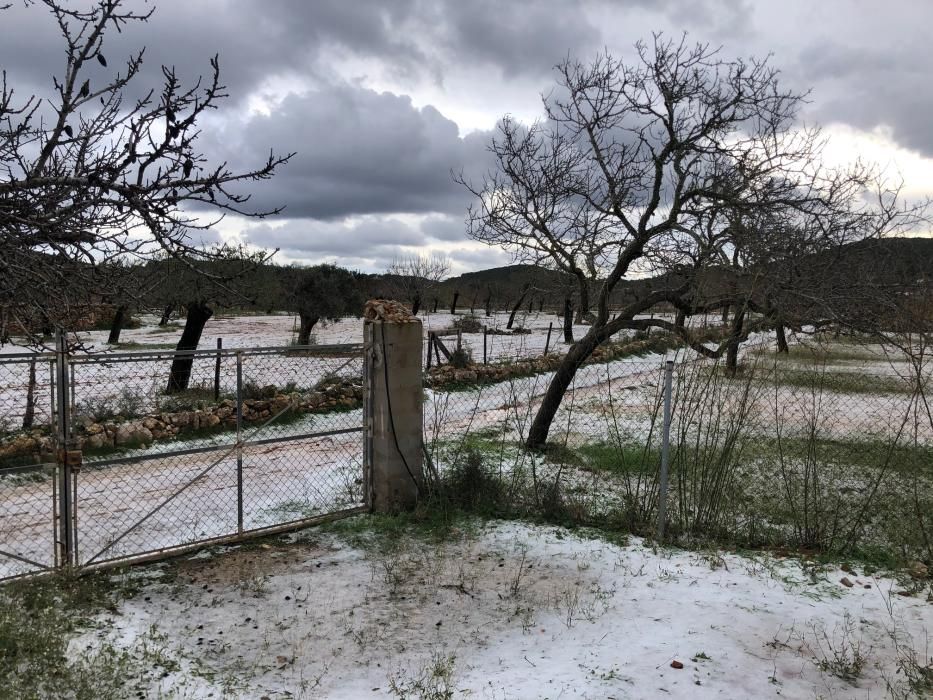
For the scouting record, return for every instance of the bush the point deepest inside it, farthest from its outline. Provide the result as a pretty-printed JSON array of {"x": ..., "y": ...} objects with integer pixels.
[
  {"x": 469, "y": 324},
  {"x": 129, "y": 403},
  {"x": 253, "y": 390},
  {"x": 471, "y": 485},
  {"x": 461, "y": 358}
]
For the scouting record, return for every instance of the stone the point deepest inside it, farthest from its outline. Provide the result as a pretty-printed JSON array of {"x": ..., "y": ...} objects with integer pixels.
[
  {"x": 95, "y": 441},
  {"x": 124, "y": 435}
]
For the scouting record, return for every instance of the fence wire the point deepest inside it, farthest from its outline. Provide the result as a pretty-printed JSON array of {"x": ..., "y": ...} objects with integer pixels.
[
  {"x": 829, "y": 446},
  {"x": 176, "y": 449}
]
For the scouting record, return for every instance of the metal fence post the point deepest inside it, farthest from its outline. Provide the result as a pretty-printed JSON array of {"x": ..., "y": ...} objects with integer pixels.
[
  {"x": 66, "y": 505},
  {"x": 665, "y": 449},
  {"x": 239, "y": 442}
]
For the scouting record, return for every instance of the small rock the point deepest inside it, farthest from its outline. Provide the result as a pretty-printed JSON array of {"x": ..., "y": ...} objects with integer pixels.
[
  {"x": 846, "y": 582},
  {"x": 676, "y": 664}
]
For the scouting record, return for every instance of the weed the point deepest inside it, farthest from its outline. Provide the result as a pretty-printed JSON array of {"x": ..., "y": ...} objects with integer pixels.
[
  {"x": 842, "y": 654},
  {"x": 129, "y": 403},
  {"x": 461, "y": 358},
  {"x": 432, "y": 682}
]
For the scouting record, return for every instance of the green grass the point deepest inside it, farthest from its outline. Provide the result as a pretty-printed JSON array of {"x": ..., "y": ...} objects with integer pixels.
[
  {"x": 865, "y": 454},
  {"x": 828, "y": 354},
  {"x": 625, "y": 459},
  {"x": 170, "y": 327},
  {"x": 38, "y": 617},
  {"x": 839, "y": 382},
  {"x": 430, "y": 521}
]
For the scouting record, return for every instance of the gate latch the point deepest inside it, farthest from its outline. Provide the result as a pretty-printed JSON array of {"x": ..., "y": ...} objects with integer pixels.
[{"x": 73, "y": 458}]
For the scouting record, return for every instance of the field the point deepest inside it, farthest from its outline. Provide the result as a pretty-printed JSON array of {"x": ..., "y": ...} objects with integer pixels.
[{"x": 799, "y": 514}]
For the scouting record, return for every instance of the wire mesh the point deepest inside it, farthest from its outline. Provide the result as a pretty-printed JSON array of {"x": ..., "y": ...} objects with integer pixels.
[
  {"x": 827, "y": 446},
  {"x": 27, "y": 469},
  {"x": 178, "y": 448}
]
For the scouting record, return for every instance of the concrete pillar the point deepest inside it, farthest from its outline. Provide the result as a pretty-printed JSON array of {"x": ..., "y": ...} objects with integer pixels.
[{"x": 394, "y": 395}]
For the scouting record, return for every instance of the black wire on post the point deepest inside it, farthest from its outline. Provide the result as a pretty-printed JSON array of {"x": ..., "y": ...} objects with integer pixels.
[{"x": 398, "y": 447}]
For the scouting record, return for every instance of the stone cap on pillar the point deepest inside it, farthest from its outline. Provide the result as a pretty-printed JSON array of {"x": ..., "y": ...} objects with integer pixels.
[{"x": 388, "y": 311}]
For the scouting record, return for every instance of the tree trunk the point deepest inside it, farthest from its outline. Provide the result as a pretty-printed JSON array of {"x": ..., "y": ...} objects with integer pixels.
[
  {"x": 415, "y": 304},
  {"x": 568, "y": 321},
  {"x": 515, "y": 308},
  {"x": 575, "y": 357},
  {"x": 304, "y": 329},
  {"x": 30, "y": 410},
  {"x": 119, "y": 318},
  {"x": 541, "y": 305},
  {"x": 435, "y": 304},
  {"x": 531, "y": 302},
  {"x": 198, "y": 315},
  {"x": 488, "y": 304},
  {"x": 781, "y": 338},
  {"x": 681, "y": 318},
  {"x": 453, "y": 304},
  {"x": 46, "y": 327},
  {"x": 732, "y": 350},
  {"x": 583, "y": 310},
  {"x": 166, "y": 314},
  {"x": 725, "y": 315}
]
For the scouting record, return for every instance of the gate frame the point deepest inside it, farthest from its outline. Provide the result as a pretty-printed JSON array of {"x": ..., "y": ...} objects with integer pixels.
[{"x": 64, "y": 481}]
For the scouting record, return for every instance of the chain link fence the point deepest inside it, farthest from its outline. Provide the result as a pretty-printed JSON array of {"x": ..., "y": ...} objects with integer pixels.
[
  {"x": 827, "y": 447},
  {"x": 111, "y": 457}
]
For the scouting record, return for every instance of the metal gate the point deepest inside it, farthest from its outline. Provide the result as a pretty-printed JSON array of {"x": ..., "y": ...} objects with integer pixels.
[{"x": 142, "y": 454}]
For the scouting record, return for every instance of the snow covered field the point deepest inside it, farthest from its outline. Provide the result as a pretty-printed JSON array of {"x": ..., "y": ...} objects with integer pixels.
[
  {"x": 612, "y": 402},
  {"x": 513, "y": 611}
]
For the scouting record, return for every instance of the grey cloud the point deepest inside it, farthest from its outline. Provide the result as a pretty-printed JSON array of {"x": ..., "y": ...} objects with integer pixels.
[
  {"x": 365, "y": 152},
  {"x": 366, "y": 243},
  {"x": 323, "y": 239},
  {"x": 358, "y": 152},
  {"x": 444, "y": 227},
  {"x": 867, "y": 87}
]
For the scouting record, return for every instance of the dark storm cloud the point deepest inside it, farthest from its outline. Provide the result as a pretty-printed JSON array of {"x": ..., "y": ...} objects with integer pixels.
[
  {"x": 867, "y": 87},
  {"x": 358, "y": 152},
  {"x": 255, "y": 40},
  {"x": 369, "y": 153},
  {"x": 866, "y": 60}
]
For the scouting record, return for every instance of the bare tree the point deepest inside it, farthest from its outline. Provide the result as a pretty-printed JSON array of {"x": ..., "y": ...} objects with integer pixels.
[
  {"x": 417, "y": 276},
  {"x": 91, "y": 174},
  {"x": 633, "y": 161}
]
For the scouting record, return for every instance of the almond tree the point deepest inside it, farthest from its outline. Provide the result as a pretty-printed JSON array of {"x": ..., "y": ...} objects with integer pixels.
[
  {"x": 89, "y": 173},
  {"x": 417, "y": 276},
  {"x": 668, "y": 166}
]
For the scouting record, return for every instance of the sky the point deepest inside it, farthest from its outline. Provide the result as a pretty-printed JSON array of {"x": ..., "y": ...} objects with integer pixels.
[{"x": 383, "y": 100}]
